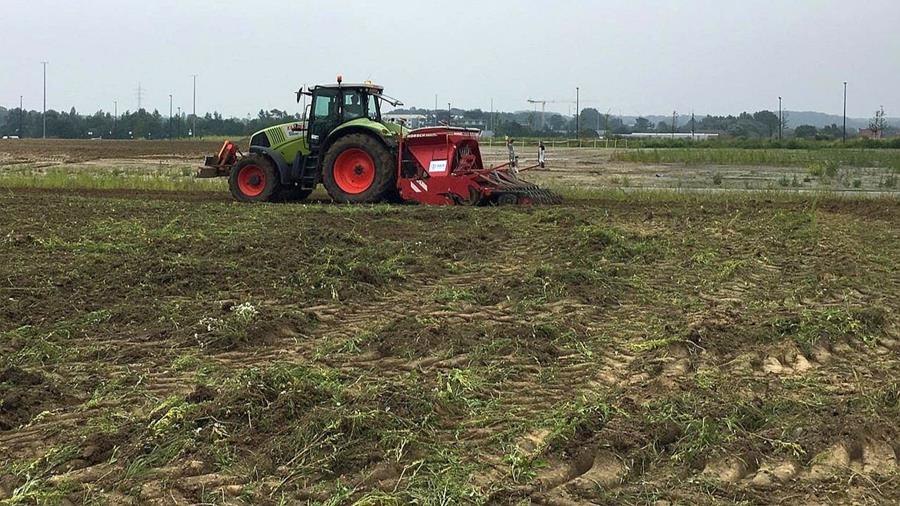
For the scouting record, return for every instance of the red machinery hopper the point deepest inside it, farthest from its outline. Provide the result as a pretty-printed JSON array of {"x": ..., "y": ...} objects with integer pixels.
[{"x": 443, "y": 165}]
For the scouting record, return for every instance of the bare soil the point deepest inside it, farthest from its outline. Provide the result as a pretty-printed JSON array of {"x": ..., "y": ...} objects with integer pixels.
[{"x": 180, "y": 348}]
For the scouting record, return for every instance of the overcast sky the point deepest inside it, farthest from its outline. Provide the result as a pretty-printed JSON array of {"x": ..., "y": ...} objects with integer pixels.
[{"x": 635, "y": 57}]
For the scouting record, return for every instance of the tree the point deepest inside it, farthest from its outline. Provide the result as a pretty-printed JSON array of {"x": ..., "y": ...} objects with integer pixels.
[
  {"x": 806, "y": 132},
  {"x": 591, "y": 119},
  {"x": 768, "y": 119},
  {"x": 556, "y": 122},
  {"x": 663, "y": 128},
  {"x": 642, "y": 125},
  {"x": 831, "y": 131},
  {"x": 878, "y": 123}
]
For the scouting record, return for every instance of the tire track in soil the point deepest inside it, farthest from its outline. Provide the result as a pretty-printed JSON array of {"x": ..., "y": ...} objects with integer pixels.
[
  {"x": 338, "y": 321},
  {"x": 568, "y": 480}
]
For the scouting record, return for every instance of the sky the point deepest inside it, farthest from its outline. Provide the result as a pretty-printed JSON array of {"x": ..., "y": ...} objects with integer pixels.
[{"x": 631, "y": 58}]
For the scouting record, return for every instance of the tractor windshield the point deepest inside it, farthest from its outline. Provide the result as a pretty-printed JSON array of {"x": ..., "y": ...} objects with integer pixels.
[
  {"x": 374, "y": 110},
  {"x": 353, "y": 105}
]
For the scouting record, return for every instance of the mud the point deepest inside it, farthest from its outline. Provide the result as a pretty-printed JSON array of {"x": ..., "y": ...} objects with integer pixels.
[
  {"x": 161, "y": 348},
  {"x": 24, "y": 394}
]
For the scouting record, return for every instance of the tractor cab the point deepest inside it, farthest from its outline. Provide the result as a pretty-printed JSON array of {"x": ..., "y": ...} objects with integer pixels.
[{"x": 334, "y": 105}]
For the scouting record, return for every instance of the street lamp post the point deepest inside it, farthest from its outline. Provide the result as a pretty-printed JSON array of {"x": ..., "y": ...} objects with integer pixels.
[
  {"x": 780, "y": 121},
  {"x": 194, "y": 126},
  {"x": 492, "y": 117},
  {"x": 578, "y": 113},
  {"x": 44, "y": 114},
  {"x": 844, "y": 138}
]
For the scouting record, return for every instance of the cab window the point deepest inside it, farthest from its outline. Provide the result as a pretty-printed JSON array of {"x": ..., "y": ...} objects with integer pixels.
[
  {"x": 353, "y": 105},
  {"x": 373, "y": 112},
  {"x": 326, "y": 105}
]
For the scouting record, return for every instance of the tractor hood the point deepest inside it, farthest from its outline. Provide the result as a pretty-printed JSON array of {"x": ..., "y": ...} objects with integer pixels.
[{"x": 383, "y": 129}]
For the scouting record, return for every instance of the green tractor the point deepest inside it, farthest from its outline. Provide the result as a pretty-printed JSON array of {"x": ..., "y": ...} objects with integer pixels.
[
  {"x": 347, "y": 147},
  {"x": 344, "y": 144}
]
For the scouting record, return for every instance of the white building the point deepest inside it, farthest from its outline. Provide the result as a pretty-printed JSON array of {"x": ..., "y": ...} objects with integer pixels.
[
  {"x": 653, "y": 135},
  {"x": 410, "y": 120}
]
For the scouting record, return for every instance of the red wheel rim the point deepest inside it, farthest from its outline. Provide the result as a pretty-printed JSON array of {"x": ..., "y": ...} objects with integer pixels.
[
  {"x": 251, "y": 180},
  {"x": 354, "y": 171}
]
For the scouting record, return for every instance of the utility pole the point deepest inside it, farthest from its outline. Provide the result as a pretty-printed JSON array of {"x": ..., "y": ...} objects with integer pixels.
[
  {"x": 44, "y": 114},
  {"x": 449, "y": 115},
  {"x": 577, "y": 112},
  {"x": 170, "y": 115},
  {"x": 21, "y": 118},
  {"x": 435, "y": 110},
  {"x": 492, "y": 116},
  {"x": 140, "y": 94},
  {"x": 115, "y": 116},
  {"x": 692, "y": 125},
  {"x": 780, "y": 121},
  {"x": 194, "y": 127},
  {"x": 844, "y": 138},
  {"x": 674, "y": 123}
]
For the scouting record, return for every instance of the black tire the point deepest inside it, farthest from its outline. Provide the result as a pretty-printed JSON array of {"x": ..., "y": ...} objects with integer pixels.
[
  {"x": 507, "y": 199},
  {"x": 290, "y": 194},
  {"x": 384, "y": 183},
  {"x": 250, "y": 189}
]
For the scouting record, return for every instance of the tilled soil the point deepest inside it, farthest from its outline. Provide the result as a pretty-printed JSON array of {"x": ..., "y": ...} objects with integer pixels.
[
  {"x": 163, "y": 348},
  {"x": 72, "y": 151}
]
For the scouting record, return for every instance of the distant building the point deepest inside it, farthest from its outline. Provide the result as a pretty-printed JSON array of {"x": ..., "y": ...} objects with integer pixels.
[
  {"x": 868, "y": 133},
  {"x": 694, "y": 136},
  {"x": 469, "y": 123},
  {"x": 410, "y": 120}
]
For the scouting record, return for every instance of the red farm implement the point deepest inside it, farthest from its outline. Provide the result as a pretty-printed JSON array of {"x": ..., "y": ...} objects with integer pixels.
[{"x": 345, "y": 145}]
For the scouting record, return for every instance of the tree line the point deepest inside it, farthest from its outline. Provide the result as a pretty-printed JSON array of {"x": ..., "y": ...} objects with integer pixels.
[
  {"x": 143, "y": 124},
  {"x": 140, "y": 124}
]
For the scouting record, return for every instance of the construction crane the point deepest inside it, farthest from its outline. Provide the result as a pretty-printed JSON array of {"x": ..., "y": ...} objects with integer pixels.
[
  {"x": 545, "y": 102},
  {"x": 544, "y": 106}
]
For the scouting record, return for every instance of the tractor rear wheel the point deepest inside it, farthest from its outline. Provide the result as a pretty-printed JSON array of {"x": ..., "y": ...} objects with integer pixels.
[
  {"x": 359, "y": 169},
  {"x": 253, "y": 179}
]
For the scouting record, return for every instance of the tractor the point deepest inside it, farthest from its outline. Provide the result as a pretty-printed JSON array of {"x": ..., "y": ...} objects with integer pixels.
[{"x": 360, "y": 158}]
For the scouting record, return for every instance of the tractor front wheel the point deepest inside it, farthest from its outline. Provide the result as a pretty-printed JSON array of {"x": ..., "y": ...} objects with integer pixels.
[
  {"x": 253, "y": 179},
  {"x": 358, "y": 169}
]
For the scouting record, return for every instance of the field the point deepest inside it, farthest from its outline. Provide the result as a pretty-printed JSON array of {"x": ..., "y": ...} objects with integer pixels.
[
  {"x": 166, "y": 165},
  {"x": 161, "y": 344}
]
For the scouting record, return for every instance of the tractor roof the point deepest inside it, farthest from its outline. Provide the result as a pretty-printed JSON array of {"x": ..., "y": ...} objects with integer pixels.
[{"x": 369, "y": 86}]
